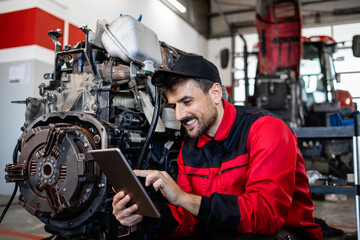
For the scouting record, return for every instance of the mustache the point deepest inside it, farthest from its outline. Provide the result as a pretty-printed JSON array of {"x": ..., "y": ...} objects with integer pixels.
[{"x": 186, "y": 119}]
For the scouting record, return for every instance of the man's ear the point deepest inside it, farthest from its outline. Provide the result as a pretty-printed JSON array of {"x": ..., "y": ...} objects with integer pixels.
[{"x": 216, "y": 93}]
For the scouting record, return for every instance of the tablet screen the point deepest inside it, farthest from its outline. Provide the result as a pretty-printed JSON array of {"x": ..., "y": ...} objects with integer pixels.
[{"x": 120, "y": 175}]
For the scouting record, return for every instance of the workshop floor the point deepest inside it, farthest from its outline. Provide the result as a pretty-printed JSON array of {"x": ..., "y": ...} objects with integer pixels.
[{"x": 18, "y": 224}]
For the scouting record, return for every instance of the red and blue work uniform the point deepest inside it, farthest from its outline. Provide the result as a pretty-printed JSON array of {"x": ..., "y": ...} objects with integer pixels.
[{"x": 251, "y": 177}]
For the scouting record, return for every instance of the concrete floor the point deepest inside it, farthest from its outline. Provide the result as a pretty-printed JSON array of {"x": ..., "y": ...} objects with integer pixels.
[
  {"x": 18, "y": 224},
  {"x": 339, "y": 214}
]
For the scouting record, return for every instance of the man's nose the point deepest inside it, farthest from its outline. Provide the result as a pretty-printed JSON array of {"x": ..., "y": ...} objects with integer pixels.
[{"x": 179, "y": 113}]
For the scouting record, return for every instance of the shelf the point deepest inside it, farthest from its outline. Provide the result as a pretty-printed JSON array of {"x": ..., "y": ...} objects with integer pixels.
[
  {"x": 324, "y": 132},
  {"x": 346, "y": 190}
]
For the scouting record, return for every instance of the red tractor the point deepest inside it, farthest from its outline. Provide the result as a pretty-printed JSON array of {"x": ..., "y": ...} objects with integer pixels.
[{"x": 296, "y": 75}]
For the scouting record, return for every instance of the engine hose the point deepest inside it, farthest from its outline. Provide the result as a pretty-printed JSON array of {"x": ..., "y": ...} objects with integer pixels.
[
  {"x": 15, "y": 153},
  {"x": 152, "y": 128}
]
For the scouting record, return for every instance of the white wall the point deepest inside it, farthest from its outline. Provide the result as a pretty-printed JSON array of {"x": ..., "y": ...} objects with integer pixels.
[
  {"x": 169, "y": 27},
  {"x": 214, "y": 47}
]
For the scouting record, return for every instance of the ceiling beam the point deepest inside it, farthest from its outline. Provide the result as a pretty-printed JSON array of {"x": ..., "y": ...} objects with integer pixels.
[
  {"x": 235, "y": 11},
  {"x": 246, "y": 10}
]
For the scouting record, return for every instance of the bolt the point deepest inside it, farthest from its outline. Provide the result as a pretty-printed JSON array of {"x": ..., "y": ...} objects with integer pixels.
[
  {"x": 93, "y": 89},
  {"x": 88, "y": 190},
  {"x": 94, "y": 107},
  {"x": 41, "y": 163},
  {"x": 86, "y": 145},
  {"x": 42, "y": 179},
  {"x": 101, "y": 185},
  {"x": 45, "y": 181},
  {"x": 97, "y": 138},
  {"x": 63, "y": 148},
  {"x": 51, "y": 98},
  {"x": 64, "y": 189},
  {"x": 116, "y": 131},
  {"x": 52, "y": 161},
  {"x": 39, "y": 174}
]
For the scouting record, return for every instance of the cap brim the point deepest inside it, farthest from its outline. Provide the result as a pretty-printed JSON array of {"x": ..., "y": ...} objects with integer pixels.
[{"x": 160, "y": 77}]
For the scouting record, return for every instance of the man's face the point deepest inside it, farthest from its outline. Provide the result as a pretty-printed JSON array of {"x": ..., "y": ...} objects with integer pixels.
[{"x": 193, "y": 108}]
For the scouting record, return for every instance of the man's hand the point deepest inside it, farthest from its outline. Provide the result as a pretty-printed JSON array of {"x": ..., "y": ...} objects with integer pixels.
[
  {"x": 163, "y": 181},
  {"x": 125, "y": 216}
]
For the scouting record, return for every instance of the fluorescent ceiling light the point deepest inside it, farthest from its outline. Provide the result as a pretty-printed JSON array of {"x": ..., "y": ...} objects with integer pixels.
[{"x": 177, "y": 5}]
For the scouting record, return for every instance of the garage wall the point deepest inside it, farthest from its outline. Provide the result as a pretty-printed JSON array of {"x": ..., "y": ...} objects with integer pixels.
[
  {"x": 349, "y": 68},
  {"x": 31, "y": 58},
  {"x": 12, "y": 116}
]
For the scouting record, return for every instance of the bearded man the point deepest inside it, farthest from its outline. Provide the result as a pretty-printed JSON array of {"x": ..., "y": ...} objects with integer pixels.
[{"x": 241, "y": 174}]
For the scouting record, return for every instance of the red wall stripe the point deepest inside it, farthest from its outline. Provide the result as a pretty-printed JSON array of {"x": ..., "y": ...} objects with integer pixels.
[
  {"x": 44, "y": 23},
  {"x": 75, "y": 35},
  {"x": 20, "y": 234},
  {"x": 28, "y": 27}
]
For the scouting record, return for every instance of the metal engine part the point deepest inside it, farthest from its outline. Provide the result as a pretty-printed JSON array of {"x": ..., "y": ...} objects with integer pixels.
[
  {"x": 55, "y": 180},
  {"x": 94, "y": 99}
]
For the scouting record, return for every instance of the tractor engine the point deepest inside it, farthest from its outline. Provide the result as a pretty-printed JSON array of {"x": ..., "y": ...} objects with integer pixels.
[{"x": 99, "y": 96}]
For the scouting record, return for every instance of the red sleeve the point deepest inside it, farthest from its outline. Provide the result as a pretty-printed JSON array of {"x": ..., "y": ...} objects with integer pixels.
[
  {"x": 270, "y": 177},
  {"x": 187, "y": 222}
]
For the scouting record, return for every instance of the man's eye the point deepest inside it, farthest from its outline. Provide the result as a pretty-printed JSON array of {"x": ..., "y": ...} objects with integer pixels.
[{"x": 187, "y": 102}]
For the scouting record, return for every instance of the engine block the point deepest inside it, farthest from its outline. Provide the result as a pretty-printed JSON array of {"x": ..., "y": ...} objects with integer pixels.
[{"x": 99, "y": 96}]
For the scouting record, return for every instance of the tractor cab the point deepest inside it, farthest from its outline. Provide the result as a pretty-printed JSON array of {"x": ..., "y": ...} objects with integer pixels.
[{"x": 318, "y": 78}]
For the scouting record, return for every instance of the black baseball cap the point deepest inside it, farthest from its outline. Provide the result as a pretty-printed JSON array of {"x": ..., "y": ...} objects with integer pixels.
[{"x": 191, "y": 66}]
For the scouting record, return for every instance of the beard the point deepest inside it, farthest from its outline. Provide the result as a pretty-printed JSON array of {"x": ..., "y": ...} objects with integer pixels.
[{"x": 205, "y": 121}]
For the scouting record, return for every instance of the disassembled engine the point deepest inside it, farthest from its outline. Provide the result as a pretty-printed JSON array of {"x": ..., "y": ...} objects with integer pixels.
[{"x": 99, "y": 96}]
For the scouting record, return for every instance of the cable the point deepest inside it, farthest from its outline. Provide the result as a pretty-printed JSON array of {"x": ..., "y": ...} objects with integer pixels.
[
  {"x": 9, "y": 203},
  {"x": 16, "y": 150},
  {"x": 152, "y": 127}
]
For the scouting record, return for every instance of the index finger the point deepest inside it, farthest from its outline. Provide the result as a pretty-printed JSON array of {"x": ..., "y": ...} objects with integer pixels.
[
  {"x": 118, "y": 197},
  {"x": 143, "y": 173}
]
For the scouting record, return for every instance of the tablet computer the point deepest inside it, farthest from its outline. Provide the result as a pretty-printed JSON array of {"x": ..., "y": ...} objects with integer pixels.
[{"x": 120, "y": 175}]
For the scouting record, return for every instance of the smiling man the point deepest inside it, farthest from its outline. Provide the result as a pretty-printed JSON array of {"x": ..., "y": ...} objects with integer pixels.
[{"x": 241, "y": 175}]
